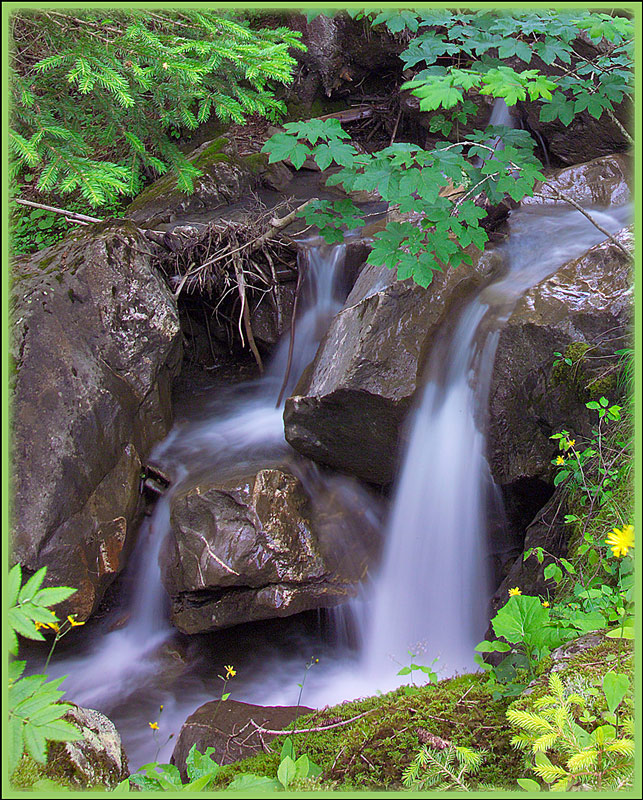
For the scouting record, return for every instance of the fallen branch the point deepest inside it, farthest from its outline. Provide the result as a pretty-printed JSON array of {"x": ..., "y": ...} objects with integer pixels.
[
  {"x": 312, "y": 730},
  {"x": 586, "y": 214},
  {"x": 81, "y": 218},
  {"x": 291, "y": 345},
  {"x": 245, "y": 311}
]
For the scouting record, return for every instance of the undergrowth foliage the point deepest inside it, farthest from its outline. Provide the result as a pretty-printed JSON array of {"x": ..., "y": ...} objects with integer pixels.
[
  {"x": 98, "y": 99},
  {"x": 449, "y": 55}
]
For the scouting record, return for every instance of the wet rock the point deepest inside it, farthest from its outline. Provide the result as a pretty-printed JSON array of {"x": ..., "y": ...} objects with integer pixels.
[
  {"x": 226, "y": 178},
  {"x": 95, "y": 346},
  {"x": 271, "y": 316},
  {"x": 547, "y": 530},
  {"x": 349, "y": 407},
  {"x": 587, "y": 302},
  {"x": 265, "y": 545},
  {"x": 96, "y": 760},
  {"x": 605, "y": 181},
  {"x": 228, "y": 728}
]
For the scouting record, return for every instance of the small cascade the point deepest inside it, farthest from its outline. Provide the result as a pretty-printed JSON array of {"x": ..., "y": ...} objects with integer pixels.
[{"x": 432, "y": 591}]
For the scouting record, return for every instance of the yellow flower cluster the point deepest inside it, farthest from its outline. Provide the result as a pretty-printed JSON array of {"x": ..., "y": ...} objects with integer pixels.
[
  {"x": 514, "y": 592},
  {"x": 620, "y": 540}
]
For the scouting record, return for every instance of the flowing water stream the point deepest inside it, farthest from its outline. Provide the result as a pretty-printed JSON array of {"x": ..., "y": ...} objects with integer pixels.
[{"x": 431, "y": 592}]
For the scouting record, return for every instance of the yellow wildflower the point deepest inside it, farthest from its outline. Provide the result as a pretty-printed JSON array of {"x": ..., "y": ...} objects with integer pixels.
[
  {"x": 545, "y": 604},
  {"x": 514, "y": 592},
  {"x": 54, "y": 626},
  {"x": 71, "y": 618},
  {"x": 40, "y": 625},
  {"x": 160, "y": 709},
  {"x": 570, "y": 443},
  {"x": 230, "y": 672},
  {"x": 621, "y": 540},
  {"x": 560, "y": 461},
  {"x": 153, "y": 725}
]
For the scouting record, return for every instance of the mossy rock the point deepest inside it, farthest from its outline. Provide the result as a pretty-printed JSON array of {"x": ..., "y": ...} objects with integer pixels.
[
  {"x": 226, "y": 178},
  {"x": 373, "y": 751}
]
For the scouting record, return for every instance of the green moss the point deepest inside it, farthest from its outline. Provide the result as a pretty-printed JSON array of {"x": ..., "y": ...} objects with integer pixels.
[
  {"x": 373, "y": 751},
  {"x": 256, "y": 162},
  {"x": 29, "y": 774},
  {"x": 572, "y": 376}
]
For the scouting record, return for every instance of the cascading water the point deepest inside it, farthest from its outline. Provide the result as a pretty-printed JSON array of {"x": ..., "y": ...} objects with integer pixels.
[
  {"x": 432, "y": 587},
  {"x": 249, "y": 430},
  {"x": 432, "y": 591}
]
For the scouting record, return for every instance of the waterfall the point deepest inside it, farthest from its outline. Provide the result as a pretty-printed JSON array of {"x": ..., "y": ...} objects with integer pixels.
[{"x": 432, "y": 591}]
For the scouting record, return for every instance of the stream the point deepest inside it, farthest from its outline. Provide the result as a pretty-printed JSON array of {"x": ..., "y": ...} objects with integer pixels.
[{"x": 430, "y": 593}]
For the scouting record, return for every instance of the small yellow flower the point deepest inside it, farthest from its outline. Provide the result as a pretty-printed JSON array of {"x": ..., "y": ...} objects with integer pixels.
[
  {"x": 54, "y": 626},
  {"x": 40, "y": 625},
  {"x": 560, "y": 461},
  {"x": 230, "y": 672},
  {"x": 545, "y": 604},
  {"x": 153, "y": 725},
  {"x": 71, "y": 618},
  {"x": 570, "y": 443},
  {"x": 316, "y": 661},
  {"x": 621, "y": 540},
  {"x": 514, "y": 592},
  {"x": 160, "y": 709}
]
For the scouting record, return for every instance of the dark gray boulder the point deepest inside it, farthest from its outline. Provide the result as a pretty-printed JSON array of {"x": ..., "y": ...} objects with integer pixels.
[
  {"x": 95, "y": 345},
  {"x": 349, "y": 407},
  {"x": 587, "y": 302}
]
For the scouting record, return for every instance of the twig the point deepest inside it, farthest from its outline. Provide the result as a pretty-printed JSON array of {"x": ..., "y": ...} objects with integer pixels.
[
  {"x": 291, "y": 344},
  {"x": 397, "y": 122},
  {"x": 313, "y": 730},
  {"x": 245, "y": 312},
  {"x": 578, "y": 207},
  {"x": 81, "y": 217}
]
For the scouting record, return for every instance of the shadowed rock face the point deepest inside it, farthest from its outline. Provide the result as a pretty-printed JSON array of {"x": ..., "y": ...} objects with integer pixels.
[
  {"x": 95, "y": 345},
  {"x": 216, "y": 724},
  {"x": 264, "y": 546},
  {"x": 588, "y": 300},
  {"x": 350, "y": 405}
]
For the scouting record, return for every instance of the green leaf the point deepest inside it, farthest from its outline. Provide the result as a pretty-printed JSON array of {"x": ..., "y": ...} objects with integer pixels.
[
  {"x": 493, "y": 647},
  {"x": 33, "y": 584},
  {"x": 13, "y": 583},
  {"x": 286, "y": 772},
  {"x": 53, "y": 595},
  {"x": 615, "y": 685},
  {"x": 529, "y": 785},
  {"x": 287, "y": 749},
  {"x": 251, "y": 783},
  {"x": 520, "y": 618}
]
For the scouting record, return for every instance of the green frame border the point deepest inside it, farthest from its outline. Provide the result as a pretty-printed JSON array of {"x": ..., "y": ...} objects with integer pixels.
[{"x": 7, "y": 9}]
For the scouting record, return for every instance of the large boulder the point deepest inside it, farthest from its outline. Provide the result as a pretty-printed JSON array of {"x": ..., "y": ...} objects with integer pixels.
[
  {"x": 95, "y": 345},
  {"x": 228, "y": 727},
  {"x": 349, "y": 407},
  {"x": 264, "y": 545},
  {"x": 97, "y": 760},
  {"x": 587, "y": 302}
]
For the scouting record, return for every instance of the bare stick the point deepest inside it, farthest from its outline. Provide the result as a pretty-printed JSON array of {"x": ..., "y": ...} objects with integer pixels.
[
  {"x": 245, "y": 312},
  {"x": 397, "y": 122},
  {"x": 313, "y": 730},
  {"x": 71, "y": 214},
  {"x": 578, "y": 207},
  {"x": 291, "y": 345}
]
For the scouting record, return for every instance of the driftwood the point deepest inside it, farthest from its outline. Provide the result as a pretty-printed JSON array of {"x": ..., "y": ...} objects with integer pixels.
[{"x": 313, "y": 730}]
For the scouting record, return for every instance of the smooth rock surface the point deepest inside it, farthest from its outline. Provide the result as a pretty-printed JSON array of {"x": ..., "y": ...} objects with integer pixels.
[
  {"x": 262, "y": 546},
  {"x": 349, "y": 407},
  {"x": 95, "y": 346},
  {"x": 605, "y": 181}
]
